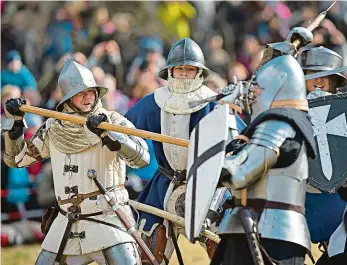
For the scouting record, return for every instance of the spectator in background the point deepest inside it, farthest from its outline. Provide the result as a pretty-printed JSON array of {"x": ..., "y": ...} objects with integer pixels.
[
  {"x": 115, "y": 99},
  {"x": 215, "y": 83},
  {"x": 249, "y": 54},
  {"x": 329, "y": 36},
  {"x": 101, "y": 27},
  {"x": 146, "y": 81},
  {"x": 216, "y": 57},
  {"x": 58, "y": 39},
  {"x": 107, "y": 55},
  {"x": 175, "y": 16},
  {"x": 151, "y": 50},
  {"x": 7, "y": 92},
  {"x": 19, "y": 75},
  {"x": 127, "y": 35},
  {"x": 238, "y": 70},
  {"x": 22, "y": 36}
]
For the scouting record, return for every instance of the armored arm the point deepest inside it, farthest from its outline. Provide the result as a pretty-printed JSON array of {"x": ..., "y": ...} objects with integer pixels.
[
  {"x": 22, "y": 153},
  {"x": 132, "y": 149},
  {"x": 215, "y": 210},
  {"x": 258, "y": 156}
]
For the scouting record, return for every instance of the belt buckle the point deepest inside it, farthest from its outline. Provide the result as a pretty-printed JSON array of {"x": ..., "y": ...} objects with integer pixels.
[{"x": 73, "y": 213}]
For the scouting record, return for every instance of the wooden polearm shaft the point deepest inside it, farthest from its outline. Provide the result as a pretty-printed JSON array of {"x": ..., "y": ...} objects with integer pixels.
[
  {"x": 105, "y": 125},
  {"x": 169, "y": 216}
]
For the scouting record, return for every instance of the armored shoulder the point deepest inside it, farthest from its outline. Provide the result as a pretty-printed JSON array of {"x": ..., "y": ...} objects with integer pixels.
[{"x": 272, "y": 134}]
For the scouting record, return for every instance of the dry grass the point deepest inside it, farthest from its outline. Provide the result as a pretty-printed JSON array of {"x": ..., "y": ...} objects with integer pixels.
[{"x": 192, "y": 254}]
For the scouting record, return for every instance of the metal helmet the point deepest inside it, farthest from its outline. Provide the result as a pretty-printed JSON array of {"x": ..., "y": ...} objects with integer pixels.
[
  {"x": 283, "y": 86},
  {"x": 185, "y": 52},
  {"x": 322, "y": 59},
  {"x": 75, "y": 78}
]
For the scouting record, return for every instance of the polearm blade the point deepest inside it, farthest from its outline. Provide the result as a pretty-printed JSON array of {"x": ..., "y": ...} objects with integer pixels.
[{"x": 325, "y": 73}]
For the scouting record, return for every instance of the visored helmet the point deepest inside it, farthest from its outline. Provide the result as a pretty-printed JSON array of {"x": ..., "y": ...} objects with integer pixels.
[{"x": 283, "y": 86}]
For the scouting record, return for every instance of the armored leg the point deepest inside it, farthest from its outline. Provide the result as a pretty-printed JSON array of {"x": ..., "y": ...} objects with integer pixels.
[
  {"x": 122, "y": 254},
  {"x": 161, "y": 247},
  {"x": 45, "y": 258},
  {"x": 285, "y": 253}
]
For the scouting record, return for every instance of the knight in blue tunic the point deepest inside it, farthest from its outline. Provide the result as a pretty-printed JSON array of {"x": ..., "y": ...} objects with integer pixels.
[
  {"x": 324, "y": 211},
  {"x": 167, "y": 111}
]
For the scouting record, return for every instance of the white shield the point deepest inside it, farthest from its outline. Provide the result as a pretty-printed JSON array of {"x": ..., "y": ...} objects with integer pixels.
[{"x": 206, "y": 153}]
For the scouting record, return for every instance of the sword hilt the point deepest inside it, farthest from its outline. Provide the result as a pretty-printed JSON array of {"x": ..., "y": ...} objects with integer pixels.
[
  {"x": 93, "y": 175},
  {"x": 123, "y": 218}
]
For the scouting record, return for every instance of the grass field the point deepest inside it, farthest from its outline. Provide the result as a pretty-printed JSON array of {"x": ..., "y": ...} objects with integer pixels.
[{"x": 192, "y": 254}]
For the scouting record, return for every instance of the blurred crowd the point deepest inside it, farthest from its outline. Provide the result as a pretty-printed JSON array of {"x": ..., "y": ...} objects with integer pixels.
[{"x": 125, "y": 44}]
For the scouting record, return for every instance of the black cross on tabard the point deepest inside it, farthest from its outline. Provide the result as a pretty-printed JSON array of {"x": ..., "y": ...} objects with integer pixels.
[{"x": 198, "y": 161}]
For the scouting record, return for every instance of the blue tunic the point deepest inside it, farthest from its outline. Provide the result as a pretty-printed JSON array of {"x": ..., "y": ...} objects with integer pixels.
[
  {"x": 323, "y": 214},
  {"x": 145, "y": 115}
]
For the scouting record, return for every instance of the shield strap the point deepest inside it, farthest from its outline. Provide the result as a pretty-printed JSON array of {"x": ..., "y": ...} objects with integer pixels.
[{"x": 259, "y": 204}]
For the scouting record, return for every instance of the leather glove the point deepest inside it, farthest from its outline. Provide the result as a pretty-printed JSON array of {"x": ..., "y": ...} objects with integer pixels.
[
  {"x": 301, "y": 33},
  {"x": 93, "y": 121},
  {"x": 13, "y": 104}
]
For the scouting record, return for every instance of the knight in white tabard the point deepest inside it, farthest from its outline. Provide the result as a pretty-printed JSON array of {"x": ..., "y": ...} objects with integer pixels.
[
  {"x": 167, "y": 111},
  {"x": 83, "y": 231}
]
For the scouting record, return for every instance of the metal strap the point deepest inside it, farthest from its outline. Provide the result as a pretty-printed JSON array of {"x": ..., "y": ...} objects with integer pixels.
[
  {"x": 260, "y": 204},
  {"x": 299, "y": 104}
]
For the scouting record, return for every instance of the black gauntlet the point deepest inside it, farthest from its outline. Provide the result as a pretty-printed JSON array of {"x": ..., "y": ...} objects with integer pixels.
[
  {"x": 93, "y": 121},
  {"x": 13, "y": 104},
  {"x": 17, "y": 130}
]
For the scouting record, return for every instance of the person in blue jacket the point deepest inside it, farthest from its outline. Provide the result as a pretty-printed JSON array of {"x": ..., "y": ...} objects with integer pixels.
[
  {"x": 19, "y": 75},
  {"x": 16, "y": 73},
  {"x": 167, "y": 111}
]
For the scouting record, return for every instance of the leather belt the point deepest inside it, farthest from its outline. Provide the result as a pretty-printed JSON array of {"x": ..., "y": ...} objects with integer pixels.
[
  {"x": 80, "y": 216},
  {"x": 78, "y": 198},
  {"x": 176, "y": 176},
  {"x": 259, "y": 205}
]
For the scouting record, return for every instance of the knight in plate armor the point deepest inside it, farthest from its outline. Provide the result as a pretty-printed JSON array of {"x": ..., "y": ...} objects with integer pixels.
[
  {"x": 86, "y": 228},
  {"x": 268, "y": 175},
  {"x": 167, "y": 111},
  {"x": 324, "y": 221}
]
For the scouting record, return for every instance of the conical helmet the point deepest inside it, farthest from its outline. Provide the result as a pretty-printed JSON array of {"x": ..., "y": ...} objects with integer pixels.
[
  {"x": 185, "y": 52},
  {"x": 322, "y": 59},
  {"x": 75, "y": 78}
]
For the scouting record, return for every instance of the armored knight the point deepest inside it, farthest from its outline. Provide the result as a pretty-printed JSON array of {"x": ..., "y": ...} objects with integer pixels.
[
  {"x": 322, "y": 219},
  {"x": 86, "y": 228},
  {"x": 167, "y": 111},
  {"x": 268, "y": 174}
]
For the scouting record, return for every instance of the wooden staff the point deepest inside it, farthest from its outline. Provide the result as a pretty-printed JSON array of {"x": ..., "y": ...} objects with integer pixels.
[
  {"x": 169, "y": 216},
  {"x": 107, "y": 126}
]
